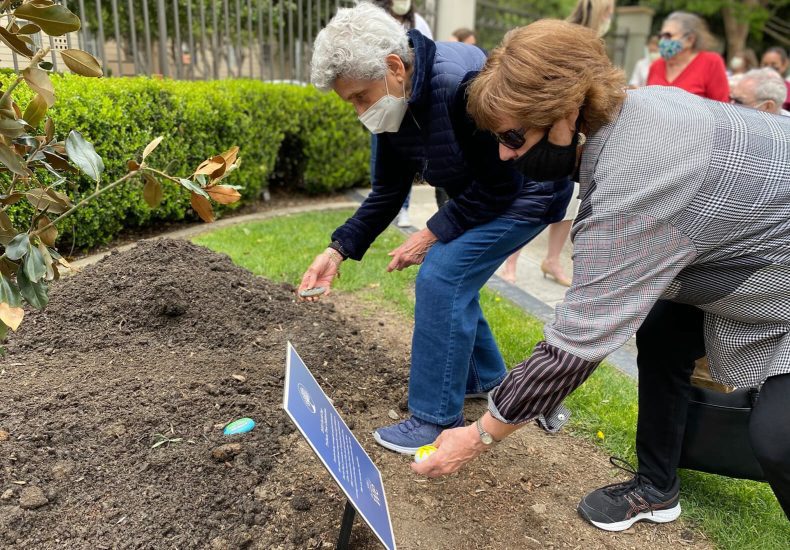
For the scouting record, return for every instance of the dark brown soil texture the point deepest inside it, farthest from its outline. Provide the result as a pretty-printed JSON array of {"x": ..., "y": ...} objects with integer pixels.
[{"x": 169, "y": 342}]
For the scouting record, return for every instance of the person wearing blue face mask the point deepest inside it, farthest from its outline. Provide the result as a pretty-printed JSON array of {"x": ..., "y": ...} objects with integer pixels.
[
  {"x": 685, "y": 62},
  {"x": 411, "y": 93}
]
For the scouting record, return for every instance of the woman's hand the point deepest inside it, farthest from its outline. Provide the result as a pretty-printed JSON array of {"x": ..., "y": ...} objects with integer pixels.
[
  {"x": 321, "y": 273},
  {"x": 456, "y": 448},
  {"x": 413, "y": 251}
]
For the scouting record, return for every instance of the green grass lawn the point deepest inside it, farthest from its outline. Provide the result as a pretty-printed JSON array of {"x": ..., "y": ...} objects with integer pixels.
[{"x": 734, "y": 514}]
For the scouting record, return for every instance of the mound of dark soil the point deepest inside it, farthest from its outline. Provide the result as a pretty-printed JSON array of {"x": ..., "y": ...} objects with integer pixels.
[
  {"x": 160, "y": 293},
  {"x": 166, "y": 341}
]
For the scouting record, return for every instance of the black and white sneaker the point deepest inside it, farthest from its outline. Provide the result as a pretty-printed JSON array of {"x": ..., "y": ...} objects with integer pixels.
[{"x": 618, "y": 506}]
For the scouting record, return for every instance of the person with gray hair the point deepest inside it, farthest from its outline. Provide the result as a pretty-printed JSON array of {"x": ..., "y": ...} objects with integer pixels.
[
  {"x": 685, "y": 61},
  {"x": 411, "y": 93},
  {"x": 761, "y": 89}
]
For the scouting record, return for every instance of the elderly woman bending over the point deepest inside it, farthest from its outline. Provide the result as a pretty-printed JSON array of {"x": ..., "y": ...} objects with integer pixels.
[
  {"x": 411, "y": 91},
  {"x": 683, "y": 234}
]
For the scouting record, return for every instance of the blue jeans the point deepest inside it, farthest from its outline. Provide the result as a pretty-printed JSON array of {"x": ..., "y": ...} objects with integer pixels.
[{"x": 453, "y": 349}]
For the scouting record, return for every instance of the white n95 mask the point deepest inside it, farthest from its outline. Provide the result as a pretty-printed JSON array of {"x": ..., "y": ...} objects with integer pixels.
[{"x": 386, "y": 115}]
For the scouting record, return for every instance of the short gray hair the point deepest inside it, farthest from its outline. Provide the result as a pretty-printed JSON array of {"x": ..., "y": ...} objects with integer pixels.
[
  {"x": 355, "y": 45},
  {"x": 768, "y": 84}
]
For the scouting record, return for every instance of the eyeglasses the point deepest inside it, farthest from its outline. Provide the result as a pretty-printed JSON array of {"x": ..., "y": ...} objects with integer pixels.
[
  {"x": 738, "y": 101},
  {"x": 669, "y": 36},
  {"x": 512, "y": 139}
]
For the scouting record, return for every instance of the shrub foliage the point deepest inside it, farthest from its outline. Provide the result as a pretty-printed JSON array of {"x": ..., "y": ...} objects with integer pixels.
[{"x": 313, "y": 139}]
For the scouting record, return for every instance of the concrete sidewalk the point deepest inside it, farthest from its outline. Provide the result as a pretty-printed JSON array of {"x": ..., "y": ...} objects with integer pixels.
[{"x": 528, "y": 274}]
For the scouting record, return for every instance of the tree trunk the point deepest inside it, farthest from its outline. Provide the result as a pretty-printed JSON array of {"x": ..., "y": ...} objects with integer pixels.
[{"x": 736, "y": 25}]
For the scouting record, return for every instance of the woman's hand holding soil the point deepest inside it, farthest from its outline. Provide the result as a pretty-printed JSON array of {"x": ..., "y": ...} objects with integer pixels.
[
  {"x": 413, "y": 251},
  {"x": 321, "y": 273}
]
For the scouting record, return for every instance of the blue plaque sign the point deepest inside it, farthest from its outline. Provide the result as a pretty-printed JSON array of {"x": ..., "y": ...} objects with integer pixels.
[{"x": 339, "y": 451}]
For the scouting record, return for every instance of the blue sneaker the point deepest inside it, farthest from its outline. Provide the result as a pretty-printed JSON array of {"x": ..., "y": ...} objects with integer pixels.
[{"x": 409, "y": 435}]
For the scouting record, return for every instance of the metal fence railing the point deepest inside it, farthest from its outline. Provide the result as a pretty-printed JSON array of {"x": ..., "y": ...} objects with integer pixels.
[
  {"x": 204, "y": 39},
  {"x": 493, "y": 20},
  {"x": 199, "y": 39}
]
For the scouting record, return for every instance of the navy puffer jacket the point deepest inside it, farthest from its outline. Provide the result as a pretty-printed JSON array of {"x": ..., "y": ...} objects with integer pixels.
[{"x": 439, "y": 141}]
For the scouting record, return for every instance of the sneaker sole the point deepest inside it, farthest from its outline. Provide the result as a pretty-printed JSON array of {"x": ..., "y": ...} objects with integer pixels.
[
  {"x": 659, "y": 516},
  {"x": 392, "y": 447}
]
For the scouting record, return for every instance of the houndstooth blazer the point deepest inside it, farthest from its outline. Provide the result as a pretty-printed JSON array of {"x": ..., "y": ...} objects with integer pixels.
[{"x": 685, "y": 199}]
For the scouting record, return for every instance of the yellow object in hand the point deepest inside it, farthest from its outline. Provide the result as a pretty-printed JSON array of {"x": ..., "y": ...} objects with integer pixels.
[{"x": 424, "y": 452}]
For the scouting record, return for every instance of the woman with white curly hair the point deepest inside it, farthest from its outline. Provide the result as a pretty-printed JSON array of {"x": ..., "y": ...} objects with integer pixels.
[{"x": 411, "y": 92}]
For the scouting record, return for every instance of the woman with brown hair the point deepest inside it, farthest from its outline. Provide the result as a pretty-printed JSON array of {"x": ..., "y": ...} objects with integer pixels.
[
  {"x": 597, "y": 16},
  {"x": 683, "y": 234}
]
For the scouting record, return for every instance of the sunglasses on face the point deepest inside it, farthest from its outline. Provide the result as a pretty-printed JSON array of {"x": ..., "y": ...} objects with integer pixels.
[
  {"x": 737, "y": 100},
  {"x": 512, "y": 139}
]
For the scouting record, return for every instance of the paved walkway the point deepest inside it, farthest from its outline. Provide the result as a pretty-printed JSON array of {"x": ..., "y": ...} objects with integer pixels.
[{"x": 528, "y": 274}]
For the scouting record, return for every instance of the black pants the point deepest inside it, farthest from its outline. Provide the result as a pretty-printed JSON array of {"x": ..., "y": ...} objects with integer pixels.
[{"x": 669, "y": 341}]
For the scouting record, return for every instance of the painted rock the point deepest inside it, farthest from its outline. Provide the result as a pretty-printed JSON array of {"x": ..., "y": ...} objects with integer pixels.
[
  {"x": 424, "y": 452},
  {"x": 317, "y": 291},
  {"x": 240, "y": 426}
]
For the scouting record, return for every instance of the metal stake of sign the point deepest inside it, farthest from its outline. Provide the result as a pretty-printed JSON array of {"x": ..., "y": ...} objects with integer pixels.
[{"x": 345, "y": 527}]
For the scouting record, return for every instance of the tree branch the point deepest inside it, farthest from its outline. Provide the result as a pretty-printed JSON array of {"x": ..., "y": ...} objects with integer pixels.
[{"x": 83, "y": 202}]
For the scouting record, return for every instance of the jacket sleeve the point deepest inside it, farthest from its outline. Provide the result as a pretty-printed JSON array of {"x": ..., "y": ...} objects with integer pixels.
[
  {"x": 622, "y": 264},
  {"x": 391, "y": 177},
  {"x": 495, "y": 184}
]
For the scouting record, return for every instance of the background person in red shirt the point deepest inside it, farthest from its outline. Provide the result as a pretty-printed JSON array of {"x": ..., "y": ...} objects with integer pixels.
[{"x": 685, "y": 62}]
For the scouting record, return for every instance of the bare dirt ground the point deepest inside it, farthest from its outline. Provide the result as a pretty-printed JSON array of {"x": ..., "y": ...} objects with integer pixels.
[{"x": 168, "y": 342}]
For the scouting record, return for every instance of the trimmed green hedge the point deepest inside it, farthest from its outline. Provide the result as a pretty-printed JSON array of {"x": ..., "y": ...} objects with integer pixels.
[{"x": 291, "y": 134}]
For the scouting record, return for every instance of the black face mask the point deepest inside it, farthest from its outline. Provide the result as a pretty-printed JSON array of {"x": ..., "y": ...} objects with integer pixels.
[{"x": 548, "y": 162}]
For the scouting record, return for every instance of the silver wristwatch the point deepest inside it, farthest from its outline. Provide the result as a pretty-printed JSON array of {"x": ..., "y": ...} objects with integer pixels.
[{"x": 485, "y": 437}]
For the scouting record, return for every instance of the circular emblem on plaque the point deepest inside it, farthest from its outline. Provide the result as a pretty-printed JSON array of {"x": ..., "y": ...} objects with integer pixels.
[{"x": 308, "y": 401}]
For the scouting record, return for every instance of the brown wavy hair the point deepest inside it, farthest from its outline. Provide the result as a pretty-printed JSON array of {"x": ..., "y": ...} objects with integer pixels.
[{"x": 541, "y": 73}]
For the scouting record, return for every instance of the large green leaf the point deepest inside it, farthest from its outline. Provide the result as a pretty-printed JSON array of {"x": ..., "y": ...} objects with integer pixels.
[
  {"x": 54, "y": 20},
  {"x": 34, "y": 266},
  {"x": 83, "y": 154},
  {"x": 9, "y": 293},
  {"x": 36, "y": 294},
  {"x": 18, "y": 247}
]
